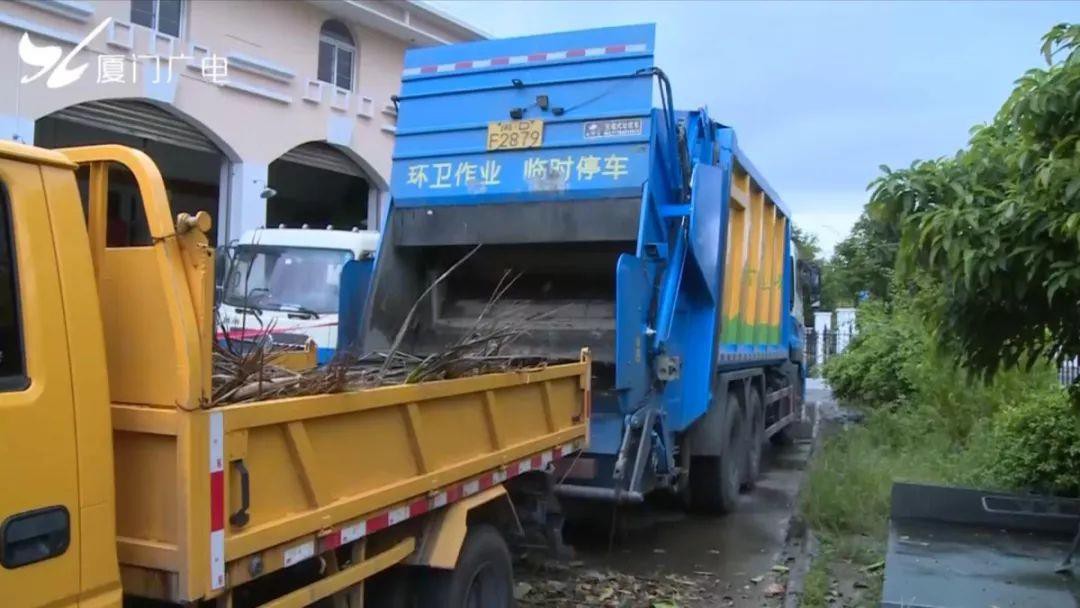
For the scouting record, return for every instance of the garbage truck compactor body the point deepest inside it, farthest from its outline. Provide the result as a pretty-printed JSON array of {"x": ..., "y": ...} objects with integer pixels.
[
  {"x": 120, "y": 477},
  {"x": 642, "y": 232}
]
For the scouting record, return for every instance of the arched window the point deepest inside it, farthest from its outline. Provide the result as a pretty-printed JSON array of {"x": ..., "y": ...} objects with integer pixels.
[{"x": 337, "y": 54}]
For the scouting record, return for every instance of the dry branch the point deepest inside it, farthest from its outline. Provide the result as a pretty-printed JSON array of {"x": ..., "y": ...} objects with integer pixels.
[{"x": 244, "y": 370}]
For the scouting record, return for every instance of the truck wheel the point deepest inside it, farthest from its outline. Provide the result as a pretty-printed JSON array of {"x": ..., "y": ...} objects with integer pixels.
[
  {"x": 755, "y": 437},
  {"x": 483, "y": 577},
  {"x": 714, "y": 481}
]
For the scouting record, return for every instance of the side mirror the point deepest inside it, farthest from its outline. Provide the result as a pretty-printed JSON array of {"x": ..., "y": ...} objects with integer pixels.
[
  {"x": 810, "y": 276},
  {"x": 223, "y": 259}
]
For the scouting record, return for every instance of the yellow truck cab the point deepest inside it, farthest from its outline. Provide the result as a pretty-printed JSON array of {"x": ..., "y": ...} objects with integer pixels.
[{"x": 121, "y": 479}]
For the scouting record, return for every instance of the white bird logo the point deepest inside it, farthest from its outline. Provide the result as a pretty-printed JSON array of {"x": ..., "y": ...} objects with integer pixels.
[{"x": 48, "y": 57}]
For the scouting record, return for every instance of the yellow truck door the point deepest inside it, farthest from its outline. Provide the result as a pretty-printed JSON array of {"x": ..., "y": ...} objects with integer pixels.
[{"x": 39, "y": 510}]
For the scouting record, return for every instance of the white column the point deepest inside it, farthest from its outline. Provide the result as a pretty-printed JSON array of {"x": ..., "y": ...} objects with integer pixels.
[
  {"x": 845, "y": 327},
  {"x": 373, "y": 209},
  {"x": 822, "y": 321},
  {"x": 247, "y": 207},
  {"x": 221, "y": 216},
  {"x": 384, "y": 209}
]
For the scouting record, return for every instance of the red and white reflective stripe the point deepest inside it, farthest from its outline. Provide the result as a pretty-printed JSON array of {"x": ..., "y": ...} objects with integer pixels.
[
  {"x": 473, "y": 64},
  {"x": 299, "y": 553},
  {"x": 354, "y": 530},
  {"x": 217, "y": 501}
]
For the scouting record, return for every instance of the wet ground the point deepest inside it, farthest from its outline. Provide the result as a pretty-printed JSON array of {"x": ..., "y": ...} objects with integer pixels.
[
  {"x": 740, "y": 544},
  {"x": 662, "y": 556}
]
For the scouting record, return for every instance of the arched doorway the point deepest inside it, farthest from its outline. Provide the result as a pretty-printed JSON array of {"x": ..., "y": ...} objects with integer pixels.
[
  {"x": 319, "y": 185},
  {"x": 191, "y": 163}
]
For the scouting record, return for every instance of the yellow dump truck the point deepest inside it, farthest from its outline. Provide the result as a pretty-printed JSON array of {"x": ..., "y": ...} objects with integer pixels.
[{"x": 120, "y": 479}]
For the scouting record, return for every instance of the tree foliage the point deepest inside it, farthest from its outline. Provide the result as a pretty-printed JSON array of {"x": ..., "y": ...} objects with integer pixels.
[
  {"x": 807, "y": 247},
  {"x": 1017, "y": 430},
  {"x": 998, "y": 224},
  {"x": 876, "y": 367},
  {"x": 1037, "y": 444},
  {"x": 862, "y": 264}
]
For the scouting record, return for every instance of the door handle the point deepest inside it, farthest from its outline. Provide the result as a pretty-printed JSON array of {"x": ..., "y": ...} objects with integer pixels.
[
  {"x": 240, "y": 517},
  {"x": 32, "y": 536}
]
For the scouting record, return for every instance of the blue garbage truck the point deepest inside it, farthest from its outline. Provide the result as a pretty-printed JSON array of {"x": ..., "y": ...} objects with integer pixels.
[{"x": 641, "y": 232}]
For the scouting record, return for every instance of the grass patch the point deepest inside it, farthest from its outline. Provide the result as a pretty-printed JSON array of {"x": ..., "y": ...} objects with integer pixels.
[
  {"x": 850, "y": 480},
  {"x": 928, "y": 421},
  {"x": 860, "y": 550},
  {"x": 816, "y": 585},
  {"x": 846, "y": 571},
  {"x": 847, "y": 497}
]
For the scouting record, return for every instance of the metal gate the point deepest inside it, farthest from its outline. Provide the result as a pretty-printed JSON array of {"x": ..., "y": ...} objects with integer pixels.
[
  {"x": 824, "y": 345},
  {"x": 138, "y": 119},
  {"x": 323, "y": 156}
]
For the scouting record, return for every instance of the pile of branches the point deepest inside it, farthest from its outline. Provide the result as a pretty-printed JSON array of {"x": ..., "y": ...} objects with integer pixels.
[
  {"x": 245, "y": 371},
  {"x": 249, "y": 373}
]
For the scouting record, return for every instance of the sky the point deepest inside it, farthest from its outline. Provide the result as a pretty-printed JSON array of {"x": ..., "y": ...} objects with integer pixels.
[{"x": 820, "y": 94}]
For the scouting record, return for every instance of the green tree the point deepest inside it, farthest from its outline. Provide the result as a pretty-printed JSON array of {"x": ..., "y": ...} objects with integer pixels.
[
  {"x": 807, "y": 247},
  {"x": 998, "y": 224},
  {"x": 863, "y": 262}
]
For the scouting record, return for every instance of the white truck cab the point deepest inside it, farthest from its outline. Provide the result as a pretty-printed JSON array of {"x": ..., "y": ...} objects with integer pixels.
[{"x": 286, "y": 281}]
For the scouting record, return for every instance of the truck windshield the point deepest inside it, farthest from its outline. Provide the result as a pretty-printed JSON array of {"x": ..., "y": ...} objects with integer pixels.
[{"x": 303, "y": 279}]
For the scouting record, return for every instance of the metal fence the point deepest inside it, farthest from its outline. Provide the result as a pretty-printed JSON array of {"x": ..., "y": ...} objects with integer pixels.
[
  {"x": 1068, "y": 371},
  {"x": 824, "y": 345}
]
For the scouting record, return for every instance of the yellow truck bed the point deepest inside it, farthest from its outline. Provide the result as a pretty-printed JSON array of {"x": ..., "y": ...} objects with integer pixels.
[
  {"x": 322, "y": 470},
  {"x": 208, "y": 498}
]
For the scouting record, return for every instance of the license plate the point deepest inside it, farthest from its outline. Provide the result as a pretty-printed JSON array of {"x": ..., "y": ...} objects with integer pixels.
[{"x": 515, "y": 134}]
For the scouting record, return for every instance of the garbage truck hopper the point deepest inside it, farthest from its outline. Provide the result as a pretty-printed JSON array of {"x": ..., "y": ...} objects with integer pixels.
[
  {"x": 539, "y": 156},
  {"x": 602, "y": 221}
]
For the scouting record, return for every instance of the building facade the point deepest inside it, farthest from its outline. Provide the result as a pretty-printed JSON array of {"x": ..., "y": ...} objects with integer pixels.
[{"x": 263, "y": 113}]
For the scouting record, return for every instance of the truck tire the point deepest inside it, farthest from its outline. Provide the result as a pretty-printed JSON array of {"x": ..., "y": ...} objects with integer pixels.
[
  {"x": 714, "y": 481},
  {"x": 483, "y": 576},
  {"x": 755, "y": 438}
]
